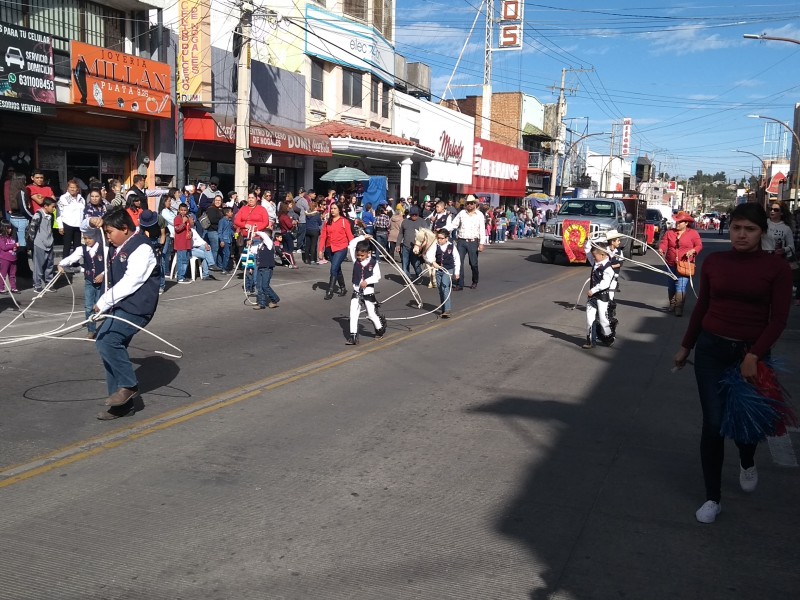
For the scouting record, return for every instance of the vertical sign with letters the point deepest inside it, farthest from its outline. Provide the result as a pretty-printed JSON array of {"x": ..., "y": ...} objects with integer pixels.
[
  {"x": 625, "y": 148},
  {"x": 510, "y": 37},
  {"x": 194, "y": 51}
]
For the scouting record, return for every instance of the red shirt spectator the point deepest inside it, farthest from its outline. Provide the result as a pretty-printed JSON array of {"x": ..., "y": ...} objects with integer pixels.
[
  {"x": 36, "y": 192},
  {"x": 336, "y": 234},
  {"x": 183, "y": 229},
  {"x": 253, "y": 215}
]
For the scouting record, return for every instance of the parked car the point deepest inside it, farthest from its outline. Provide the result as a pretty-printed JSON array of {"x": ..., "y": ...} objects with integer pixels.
[{"x": 659, "y": 223}]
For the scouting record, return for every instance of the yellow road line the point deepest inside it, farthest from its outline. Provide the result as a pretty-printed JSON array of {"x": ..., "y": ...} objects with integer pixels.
[{"x": 93, "y": 446}]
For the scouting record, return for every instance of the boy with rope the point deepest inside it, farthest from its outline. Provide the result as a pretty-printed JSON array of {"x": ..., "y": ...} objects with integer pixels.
[
  {"x": 126, "y": 307},
  {"x": 366, "y": 273},
  {"x": 599, "y": 326}
]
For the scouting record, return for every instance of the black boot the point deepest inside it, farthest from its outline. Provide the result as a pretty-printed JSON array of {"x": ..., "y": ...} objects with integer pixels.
[
  {"x": 352, "y": 340},
  {"x": 342, "y": 287},
  {"x": 331, "y": 288},
  {"x": 381, "y": 331}
]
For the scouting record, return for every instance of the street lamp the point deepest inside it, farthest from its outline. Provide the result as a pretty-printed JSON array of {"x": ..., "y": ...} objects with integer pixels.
[
  {"x": 764, "y": 36},
  {"x": 569, "y": 151},
  {"x": 797, "y": 141},
  {"x": 763, "y": 171}
]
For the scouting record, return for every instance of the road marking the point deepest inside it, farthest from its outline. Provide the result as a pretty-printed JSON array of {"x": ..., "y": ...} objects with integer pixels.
[{"x": 93, "y": 446}]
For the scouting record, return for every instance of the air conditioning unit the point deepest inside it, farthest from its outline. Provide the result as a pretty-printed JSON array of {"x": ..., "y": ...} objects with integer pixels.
[
  {"x": 419, "y": 80},
  {"x": 400, "y": 72}
]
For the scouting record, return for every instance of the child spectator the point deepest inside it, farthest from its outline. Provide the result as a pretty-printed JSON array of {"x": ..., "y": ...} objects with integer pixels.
[
  {"x": 265, "y": 263},
  {"x": 43, "y": 245},
  {"x": 183, "y": 225},
  {"x": 366, "y": 274},
  {"x": 8, "y": 258},
  {"x": 282, "y": 252},
  {"x": 91, "y": 253},
  {"x": 225, "y": 231}
]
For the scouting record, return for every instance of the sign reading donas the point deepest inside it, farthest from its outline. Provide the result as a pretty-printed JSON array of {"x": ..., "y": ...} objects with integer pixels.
[
  {"x": 498, "y": 169},
  {"x": 119, "y": 82},
  {"x": 26, "y": 71}
]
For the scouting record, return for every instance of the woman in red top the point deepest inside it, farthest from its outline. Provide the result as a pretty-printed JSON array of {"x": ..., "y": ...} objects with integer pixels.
[
  {"x": 134, "y": 209},
  {"x": 251, "y": 217},
  {"x": 681, "y": 243},
  {"x": 335, "y": 235},
  {"x": 286, "y": 222},
  {"x": 741, "y": 312}
]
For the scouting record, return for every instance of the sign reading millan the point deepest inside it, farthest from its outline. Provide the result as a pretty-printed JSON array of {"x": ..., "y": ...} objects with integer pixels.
[
  {"x": 119, "y": 82},
  {"x": 26, "y": 71}
]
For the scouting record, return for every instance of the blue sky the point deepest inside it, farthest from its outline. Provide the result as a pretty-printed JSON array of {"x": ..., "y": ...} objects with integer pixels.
[{"x": 683, "y": 72}]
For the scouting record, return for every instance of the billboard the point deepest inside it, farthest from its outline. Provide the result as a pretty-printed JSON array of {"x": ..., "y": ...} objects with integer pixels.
[
  {"x": 511, "y": 33},
  {"x": 119, "y": 82},
  {"x": 625, "y": 148},
  {"x": 26, "y": 71},
  {"x": 193, "y": 76},
  {"x": 498, "y": 169}
]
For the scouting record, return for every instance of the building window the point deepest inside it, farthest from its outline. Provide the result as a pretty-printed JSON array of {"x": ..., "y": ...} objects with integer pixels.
[
  {"x": 356, "y": 8},
  {"x": 385, "y": 101},
  {"x": 375, "y": 91},
  {"x": 317, "y": 75},
  {"x": 351, "y": 88}
]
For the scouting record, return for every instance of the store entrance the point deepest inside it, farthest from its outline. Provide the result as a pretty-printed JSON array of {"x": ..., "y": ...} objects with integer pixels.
[{"x": 83, "y": 166}]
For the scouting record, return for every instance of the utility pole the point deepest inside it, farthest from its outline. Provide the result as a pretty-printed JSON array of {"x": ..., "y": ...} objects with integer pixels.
[
  {"x": 486, "y": 103},
  {"x": 560, "y": 114},
  {"x": 241, "y": 166},
  {"x": 610, "y": 158}
]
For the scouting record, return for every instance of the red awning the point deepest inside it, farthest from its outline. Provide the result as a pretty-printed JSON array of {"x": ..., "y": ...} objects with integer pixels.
[
  {"x": 775, "y": 183},
  {"x": 204, "y": 127}
]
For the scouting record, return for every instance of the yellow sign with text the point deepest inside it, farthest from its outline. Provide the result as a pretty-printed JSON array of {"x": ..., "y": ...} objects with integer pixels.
[{"x": 194, "y": 52}]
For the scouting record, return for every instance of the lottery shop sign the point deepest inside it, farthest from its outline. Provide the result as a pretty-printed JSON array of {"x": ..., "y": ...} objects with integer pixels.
[
  {"x": 119, "y": 82},
  {"x": 26, "y": 71}
]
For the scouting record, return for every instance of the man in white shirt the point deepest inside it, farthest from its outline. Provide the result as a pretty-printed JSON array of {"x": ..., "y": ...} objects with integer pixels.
[
  {"x": 470, "y": 228},
  {"x": 70, "y": 215}
]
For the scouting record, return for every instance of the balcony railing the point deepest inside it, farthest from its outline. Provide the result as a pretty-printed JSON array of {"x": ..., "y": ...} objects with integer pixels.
[{"x": 540, "y": 160}]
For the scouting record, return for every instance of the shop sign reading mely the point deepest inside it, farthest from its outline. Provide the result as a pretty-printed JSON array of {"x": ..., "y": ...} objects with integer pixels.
[{"x": 450, "y": 148}]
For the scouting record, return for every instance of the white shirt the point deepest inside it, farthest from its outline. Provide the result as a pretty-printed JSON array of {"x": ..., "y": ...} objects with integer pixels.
[
  {"x": 70, "y": 210},
  {"x": 779, "y": 235},
  {"x": 469, "y": 226},
  {"x": 265, "y": 238},
  {"x": 77, "y": 255},
  {"x": 608, "y": 277},
  {"x": 141, "y": 263},
  {"x": 376, "y": 272},
  {"x": 430, "y": 256},
  {"x": 197, "y": 241}
]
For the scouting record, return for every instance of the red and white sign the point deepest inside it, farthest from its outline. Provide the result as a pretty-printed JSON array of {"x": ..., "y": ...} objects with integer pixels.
[
  {"x": 510, "y": 37},
  {"x": 497, "y": 168},
  {"x": 627, "y": 125},
  {"x": 775, "y": 183}
]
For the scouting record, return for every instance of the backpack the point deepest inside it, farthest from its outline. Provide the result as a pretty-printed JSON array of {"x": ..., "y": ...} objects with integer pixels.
[{"x": 32, "y": 229}]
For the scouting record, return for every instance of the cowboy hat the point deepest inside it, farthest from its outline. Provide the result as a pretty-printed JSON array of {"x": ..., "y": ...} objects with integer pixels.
[
  {"x": 613, "y": 234},
  {"x": 683, "y": 216},
  {"x": 470, "y": 198},
  {"x": 148, "y": 218}
]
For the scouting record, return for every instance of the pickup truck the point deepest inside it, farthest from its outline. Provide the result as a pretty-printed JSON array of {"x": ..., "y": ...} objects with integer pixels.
[{"x": 603, "y": 214}]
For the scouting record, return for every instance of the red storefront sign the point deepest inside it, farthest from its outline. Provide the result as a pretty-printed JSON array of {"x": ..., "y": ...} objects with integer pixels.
[
  {"x": 203, "y": 127},
  {"x": 497, "y": 169}
]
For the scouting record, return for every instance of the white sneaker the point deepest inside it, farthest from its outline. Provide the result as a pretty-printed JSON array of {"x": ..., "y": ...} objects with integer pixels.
[
  {"x": 748, "y": 478},
  {"x": 708, "y": 512}
]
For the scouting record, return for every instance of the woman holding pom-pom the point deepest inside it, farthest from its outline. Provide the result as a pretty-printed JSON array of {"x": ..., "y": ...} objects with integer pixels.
[{"x": 740, "y": 313}]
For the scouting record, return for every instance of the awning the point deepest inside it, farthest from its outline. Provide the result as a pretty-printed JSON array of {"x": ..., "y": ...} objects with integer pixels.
[
  {"x": 533, "y": 130},
  {"x": 204, "y": 127}
]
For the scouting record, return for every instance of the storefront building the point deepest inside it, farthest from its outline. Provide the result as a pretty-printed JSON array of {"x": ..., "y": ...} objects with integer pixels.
[
  {"x": 448, "y": 133},
  {"x": 499, "y": 173}
]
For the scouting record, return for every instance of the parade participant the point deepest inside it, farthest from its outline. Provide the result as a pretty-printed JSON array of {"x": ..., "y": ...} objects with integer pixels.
[
  {"x": 444, "y": 256},
  {"x": 679, "y": 244},
  {"x": 741, "y": 312},
  {"x": 265, "y": 266},
  {"x": 439, "y": 218},
  {"x": 470, "y": 227},
  {"x": 366, "y": 274},
  {"x": 132, "y": 294},
  {"x": 71, "y": 207},
  {"x": 599, "y": 326},
  {"x": 8, "y": 258},
  {"x": 335, "y": 235},
  {"x": 91, "y": 255},
  {"x": 43, "y": 244}
]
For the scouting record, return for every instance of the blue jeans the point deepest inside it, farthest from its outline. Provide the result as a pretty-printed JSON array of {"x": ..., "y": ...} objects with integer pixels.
[
  {"x": 677, "y": 286},
  {"x": 444, "y": 284},
  {"x": 263, "y": 277},
  {"x": 301, "y": 239},
  {"x": 166, "y": 262},
  {"x": 207, "y": 260},
  {"x": 382, "y": 237},
  {"x": 410, "y": 259},
  {"x": 183, "y": 264},
  {"x": 713, "y": 355},
  {"x": 112, "y": 342},
  {"x": 337, "y": 258},
  {"x": 468, "y": 249},
  {"x": 213, "y": 241},
  {"x": 91, "y": 292},
  {"x": 224, "y": 256},
  {"x": 288, "y": 241}
]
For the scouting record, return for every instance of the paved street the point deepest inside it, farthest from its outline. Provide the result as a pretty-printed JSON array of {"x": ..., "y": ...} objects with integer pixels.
[{"x": 487, "y": 456}]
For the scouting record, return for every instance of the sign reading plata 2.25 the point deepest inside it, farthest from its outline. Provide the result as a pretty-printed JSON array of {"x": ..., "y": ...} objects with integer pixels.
[
  {"x": 26, "y": 71},
  {"x": 119, "y": 82}
]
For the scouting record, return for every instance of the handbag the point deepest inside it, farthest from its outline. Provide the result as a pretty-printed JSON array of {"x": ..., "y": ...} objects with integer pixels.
[
  {"x": 204, "y": 221},
  {"x": 686, "y": 268}
]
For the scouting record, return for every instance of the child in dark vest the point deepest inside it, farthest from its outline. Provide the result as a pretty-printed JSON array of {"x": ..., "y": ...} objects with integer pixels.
[
  {"x": 599, "y": 327},
  {"x": 131, "y": 294},
  {"x": 265, "y": 265},
  {"x": 448, "y": 262},
  {"x": 366, "y": 273},
  {"x": 91, "y": 254}
]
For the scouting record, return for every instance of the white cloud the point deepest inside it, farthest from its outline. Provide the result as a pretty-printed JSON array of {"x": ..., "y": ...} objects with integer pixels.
[
  {"x": 687, "y": 39},
  {"x": 701, "y": 97}
]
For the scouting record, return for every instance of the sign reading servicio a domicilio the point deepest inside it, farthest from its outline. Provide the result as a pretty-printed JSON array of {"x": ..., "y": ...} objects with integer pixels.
[{"x": 26, "y": 71}]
